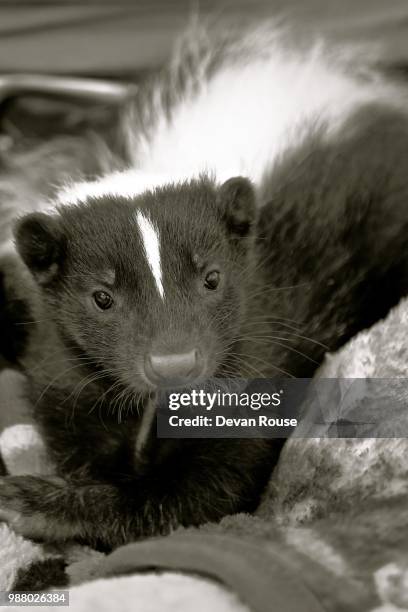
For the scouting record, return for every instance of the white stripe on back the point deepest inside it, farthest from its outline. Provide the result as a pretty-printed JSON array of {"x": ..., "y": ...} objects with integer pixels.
[
  {"x": 151, "y": 245},
  {"x": 243, "y": 117}
]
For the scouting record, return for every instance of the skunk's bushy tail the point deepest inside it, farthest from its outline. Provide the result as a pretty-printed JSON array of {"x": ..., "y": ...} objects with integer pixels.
[{"x": 230, "y": 103}]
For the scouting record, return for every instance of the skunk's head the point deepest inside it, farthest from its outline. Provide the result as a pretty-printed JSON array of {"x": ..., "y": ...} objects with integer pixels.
[{"x": 152, "y": 288}]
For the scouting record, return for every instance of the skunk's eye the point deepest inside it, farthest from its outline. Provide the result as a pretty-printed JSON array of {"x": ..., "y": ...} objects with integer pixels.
[
  {"x": 103, "y": 300},
  {"x": 212, "y": 280}
]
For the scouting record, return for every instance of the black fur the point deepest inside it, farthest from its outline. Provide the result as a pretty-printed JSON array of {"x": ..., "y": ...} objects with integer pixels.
[
  {"x": 335, "y": 232},
  {"x": 14, "y": 311},
  {"x": 42, "y": 575},
  {"x": 324, "y": 258}
]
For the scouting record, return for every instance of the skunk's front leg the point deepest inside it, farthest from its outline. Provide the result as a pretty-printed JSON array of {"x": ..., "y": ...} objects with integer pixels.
[
  {"x": 102, "y": 515},
  {"x": 26, "y": 504},
  {"x": 53, "y": 509},
  {"x": 107, "y": 515}
]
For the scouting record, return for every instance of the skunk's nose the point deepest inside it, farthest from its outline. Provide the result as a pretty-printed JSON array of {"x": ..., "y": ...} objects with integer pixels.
[{"x": 174, "y": 368}]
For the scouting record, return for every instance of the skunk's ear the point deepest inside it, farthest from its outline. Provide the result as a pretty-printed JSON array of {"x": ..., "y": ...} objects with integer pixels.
[
  {"x": 237, "y": 199},
  {"x": 40, "y": 243}
]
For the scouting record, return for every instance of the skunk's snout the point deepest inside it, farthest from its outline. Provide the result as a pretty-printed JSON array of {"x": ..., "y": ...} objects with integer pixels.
[{"x": 174, "y": 369}]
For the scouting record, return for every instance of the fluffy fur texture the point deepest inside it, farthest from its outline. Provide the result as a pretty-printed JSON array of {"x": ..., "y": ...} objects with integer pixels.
[
  {"x": 229, "y": 108},
  {"x": 326, "y": 154}
]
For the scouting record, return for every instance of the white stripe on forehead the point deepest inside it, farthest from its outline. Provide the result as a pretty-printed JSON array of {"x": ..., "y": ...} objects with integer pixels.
[
  {"x": 127, "y": 184},
  {"x": 151, "y": 245}
]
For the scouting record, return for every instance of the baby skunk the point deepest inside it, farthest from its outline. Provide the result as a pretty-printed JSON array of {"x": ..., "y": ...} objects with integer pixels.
[{"x": 262, "y": 221}]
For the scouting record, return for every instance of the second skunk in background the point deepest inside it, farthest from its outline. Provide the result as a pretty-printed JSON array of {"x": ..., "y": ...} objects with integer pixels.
[{"x": 261, "y": 222}]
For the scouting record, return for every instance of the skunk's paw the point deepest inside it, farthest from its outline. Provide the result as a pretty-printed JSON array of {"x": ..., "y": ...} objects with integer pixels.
[{"x": 30, "y": 506}]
